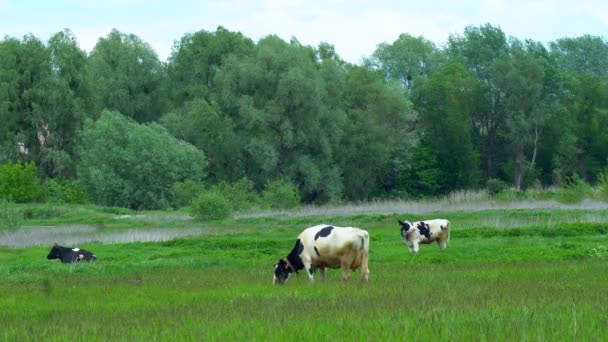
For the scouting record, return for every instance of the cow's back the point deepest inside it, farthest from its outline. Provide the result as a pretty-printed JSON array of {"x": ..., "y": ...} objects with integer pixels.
[{"x": 331, "y": 247}]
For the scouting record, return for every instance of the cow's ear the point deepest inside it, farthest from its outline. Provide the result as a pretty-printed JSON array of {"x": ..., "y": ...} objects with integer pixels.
[{"x": 400, "y": 222}]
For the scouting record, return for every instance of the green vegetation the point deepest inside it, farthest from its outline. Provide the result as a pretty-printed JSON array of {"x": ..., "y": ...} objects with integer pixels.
[
  {"x": 414, "y": 120},
  {"x": 127, "y": 164},
  {"x": 19, "y": 182},
  {"x": 210, "y": 205},
  {"x": 507, "y": 274}
]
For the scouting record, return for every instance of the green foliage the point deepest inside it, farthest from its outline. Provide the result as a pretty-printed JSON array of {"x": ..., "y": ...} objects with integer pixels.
[
  {"x": 281, "y": 194},
  {"x": 19, "y": 182},
  {"x": 575, "y": 191},
  {"x": 602, "y": 185},
  {"x": 210, "y": 205},
  {"x": 240, "y": 194},
  {"x": 125, "y": 75},
  {"x": 186, "y": 191},
  {"x": 495, "y": 186},
  {"x": 61, "y": 190},
  {"x": 11, "y": 217},
  {"x": 133, "y": 165}
]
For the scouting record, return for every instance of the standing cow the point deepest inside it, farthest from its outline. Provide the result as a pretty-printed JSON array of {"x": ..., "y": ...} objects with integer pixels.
[
  {"x": 325, "y": 246},
  {"x": 425, "y": 232},
  {"x": 69, "y": 255}
]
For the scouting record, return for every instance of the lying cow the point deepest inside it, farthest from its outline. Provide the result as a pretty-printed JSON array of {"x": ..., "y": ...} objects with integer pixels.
[
  {"x": 425, "y": 232},
  {"x": 326, "y": 246},
  {"x": 70, "y": 255}
]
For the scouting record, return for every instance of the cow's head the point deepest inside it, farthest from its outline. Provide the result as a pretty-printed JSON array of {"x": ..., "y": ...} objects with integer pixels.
[
  {"x": 54, "y": 253},
  {"x": 282, "y": 271},
  {"x": 405, "y": 227}
]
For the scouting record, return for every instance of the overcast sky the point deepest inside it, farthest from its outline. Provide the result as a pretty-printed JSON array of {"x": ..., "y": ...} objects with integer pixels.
[{"x": 354, "y": 27}]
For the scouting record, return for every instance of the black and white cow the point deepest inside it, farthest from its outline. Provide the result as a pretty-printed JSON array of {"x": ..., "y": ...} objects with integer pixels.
[
  {"x": 429, "y": 231},
  {"x": 326, "y": 246},
  {"x": 70, "y": 255}
]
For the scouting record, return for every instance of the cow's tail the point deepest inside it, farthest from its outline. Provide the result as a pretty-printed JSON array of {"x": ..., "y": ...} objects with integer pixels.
[
  {"x": 364, "y": 235},
  {"x": 447, "y": 227}
]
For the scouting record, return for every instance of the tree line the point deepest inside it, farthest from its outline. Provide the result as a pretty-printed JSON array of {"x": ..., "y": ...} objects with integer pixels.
[{"x": 414, "y": 119}]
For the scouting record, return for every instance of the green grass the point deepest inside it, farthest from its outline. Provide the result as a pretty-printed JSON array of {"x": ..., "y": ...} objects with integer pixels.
[{"x": 529, "y": 279}]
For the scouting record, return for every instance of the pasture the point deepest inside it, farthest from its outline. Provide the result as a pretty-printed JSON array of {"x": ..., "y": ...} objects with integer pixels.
[{"x": 507, "y": 274}]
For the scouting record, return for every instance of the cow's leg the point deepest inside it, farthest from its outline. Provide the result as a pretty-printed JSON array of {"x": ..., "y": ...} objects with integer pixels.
[
  {"x": 414, "y": 247},
  {"x": 310, "y": 271},
  {"x": 442, "y": 244},
  {"x": 323, "y": 272},
  {"x": 345, "y": 271},
  {"x": 410, "y": 245}
]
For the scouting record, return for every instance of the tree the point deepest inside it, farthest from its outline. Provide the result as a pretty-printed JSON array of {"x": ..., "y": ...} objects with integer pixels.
[
  {"x": 196, "y": 60},
  {"x": 479, "y": 48},
  {"x": 205, "y": 127},
  {"x": 125, "y": 75},
  {"x": 377, "y": 141},
  {"x": 407, "y": 59},
  {"x": 133, "y": 165},
  {"x": 275, "y": 98},
  {"x": 582, "y": 55},
  {"x": 447, "y": 102}
]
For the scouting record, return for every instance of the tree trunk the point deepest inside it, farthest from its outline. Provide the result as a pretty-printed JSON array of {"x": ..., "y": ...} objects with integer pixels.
[{"x": 518, "y": 171}]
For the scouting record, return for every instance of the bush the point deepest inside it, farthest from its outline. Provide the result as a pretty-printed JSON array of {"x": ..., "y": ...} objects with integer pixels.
[
  {"x": 241, "y": 194},
  {"x": 19, "y": 182},
  {"x": 185, "y": 192},
  {"x": 575, "y": 191},
  {"x": 495, "y": 186},
  {"x": 10, "y": 216},
  {"x": 133, "y": 165},
  {"x": 210, "y": 205},
  {"x": 61, "y": 190},
  {"x": 602, "y": 185},
  {"x": 281, "y": 194}
]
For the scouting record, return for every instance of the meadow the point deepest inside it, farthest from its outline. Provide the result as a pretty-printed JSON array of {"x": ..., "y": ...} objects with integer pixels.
[{"x": 510, "y": 273}]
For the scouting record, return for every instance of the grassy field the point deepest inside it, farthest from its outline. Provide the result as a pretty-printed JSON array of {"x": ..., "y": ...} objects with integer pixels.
[{"x": 508, "y": 274}]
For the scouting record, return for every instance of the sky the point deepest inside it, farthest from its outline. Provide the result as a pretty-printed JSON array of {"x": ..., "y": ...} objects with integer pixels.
[{"x": 354, "y": 27}]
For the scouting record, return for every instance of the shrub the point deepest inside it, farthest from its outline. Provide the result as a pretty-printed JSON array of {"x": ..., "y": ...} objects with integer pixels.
[
  {"x": 10, "y": 216},
  {"x": 495, "y": 186},
  {"x": 19, "y": 182},
  {"x": 185, "y": 192},
  {"x": 575, "y": 191},
  {"x": 210, "y": 205},
  {"x": 241, "y": 194},
  {"x": 133, "y": 165},
  {"x": 61, "y": 190},
  {"x": 281, "y": 194},
  {"x": 602, "y": 186}
]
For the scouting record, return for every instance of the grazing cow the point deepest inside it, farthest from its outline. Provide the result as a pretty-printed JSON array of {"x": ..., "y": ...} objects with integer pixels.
[
  {"x": 425, "y": 232},
  {"x": 70, "y": 255},
  {"x": 325, "y": 246}
]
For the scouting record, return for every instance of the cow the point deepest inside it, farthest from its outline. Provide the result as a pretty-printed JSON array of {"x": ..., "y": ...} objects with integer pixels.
[
  {"x": 325, "y": 246},
  {"x": 70, "y": 255},
  {"x": 425, "y": 232}
]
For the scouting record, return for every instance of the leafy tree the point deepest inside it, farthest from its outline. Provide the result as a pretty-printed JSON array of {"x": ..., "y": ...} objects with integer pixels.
[
  {"x": 407, "y": 59},
  {"x": 205, "y": 127},
  {"x": 582, "y": 55},
  {"x": 447, "y": 102},
  {"x": 125, "y": 75},
  {"x": 24, "y": 80},
  {"x": 377, "y": 140},
  {"x": 197, "y": 58},
  {"x": 479, "y": 48},
  {"x": 275, "y": 100},
  {"x": 19, "y": 182},
  {"x": 133, "y": 165}
]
